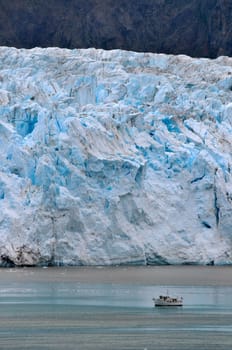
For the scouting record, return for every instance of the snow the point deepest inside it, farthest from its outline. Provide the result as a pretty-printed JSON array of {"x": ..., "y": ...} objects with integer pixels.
[{"x": 114, "y": 157}]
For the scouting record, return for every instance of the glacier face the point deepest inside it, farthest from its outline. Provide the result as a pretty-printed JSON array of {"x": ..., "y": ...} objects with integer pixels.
[{"x": 114, "y": 157}]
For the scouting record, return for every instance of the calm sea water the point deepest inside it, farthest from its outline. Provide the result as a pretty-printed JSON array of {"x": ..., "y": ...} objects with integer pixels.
[{"x": 58, "y": 313}]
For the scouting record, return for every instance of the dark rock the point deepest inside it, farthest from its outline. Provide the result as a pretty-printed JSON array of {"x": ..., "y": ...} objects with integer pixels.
[{"x": 193, "y": 27}]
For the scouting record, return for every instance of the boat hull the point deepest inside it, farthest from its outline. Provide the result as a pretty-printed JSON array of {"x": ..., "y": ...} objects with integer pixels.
[{"x": 168, "y": 304}]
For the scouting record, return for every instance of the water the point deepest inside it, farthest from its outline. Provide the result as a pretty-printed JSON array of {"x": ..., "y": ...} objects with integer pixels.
[{"x": 113, "y": 309}]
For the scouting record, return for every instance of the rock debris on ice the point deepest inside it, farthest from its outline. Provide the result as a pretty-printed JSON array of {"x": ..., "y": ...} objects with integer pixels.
[{"x": 114, "y": 157}]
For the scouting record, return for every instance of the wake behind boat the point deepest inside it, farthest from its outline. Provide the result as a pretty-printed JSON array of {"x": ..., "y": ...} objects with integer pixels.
[{"x": 166, "y": 300}]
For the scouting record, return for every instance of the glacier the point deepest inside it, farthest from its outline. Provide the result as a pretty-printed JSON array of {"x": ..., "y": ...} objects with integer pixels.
[{"x": 114, "y": 157}]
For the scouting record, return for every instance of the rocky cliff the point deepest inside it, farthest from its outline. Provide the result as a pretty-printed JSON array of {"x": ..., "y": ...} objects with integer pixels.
[
  {"x": 193, "y": 27},
  {"x": 114, "y": 157}
]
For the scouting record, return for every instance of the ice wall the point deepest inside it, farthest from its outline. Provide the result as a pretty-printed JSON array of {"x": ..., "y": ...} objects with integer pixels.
[{"x": 114, "y": 157}]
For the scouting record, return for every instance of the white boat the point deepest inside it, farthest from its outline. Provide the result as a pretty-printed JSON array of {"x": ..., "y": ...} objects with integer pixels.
[{"x": 166, "y": 300}]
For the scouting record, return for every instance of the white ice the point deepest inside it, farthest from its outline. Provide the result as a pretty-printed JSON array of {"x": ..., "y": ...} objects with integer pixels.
[{"x": 114, "y": 157}]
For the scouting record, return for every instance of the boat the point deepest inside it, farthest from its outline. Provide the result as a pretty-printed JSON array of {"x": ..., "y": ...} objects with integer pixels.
[{"x": 166, "y": 300}]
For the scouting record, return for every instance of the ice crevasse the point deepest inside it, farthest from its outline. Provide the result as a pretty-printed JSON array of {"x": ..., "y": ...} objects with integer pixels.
[{"x": 114, "y": 157}]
